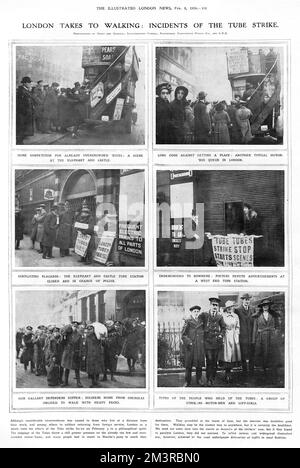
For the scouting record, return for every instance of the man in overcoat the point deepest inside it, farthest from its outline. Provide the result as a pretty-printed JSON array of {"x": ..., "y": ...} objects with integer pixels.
[
  {"x": 64, "y": 234},
  {"x": 39, "y": 95},
  {"x": 214, "y": 330},
  {"x": 50, "y": 230},
  {"x": 202, "y": 123},
  {"x": 193, "y": 343},
  {"x": 24, "y": 111},
  {"x": 72, "y": 352},
  {"x": 245, "y": 313},
  {"x": 50, "y": 114}
]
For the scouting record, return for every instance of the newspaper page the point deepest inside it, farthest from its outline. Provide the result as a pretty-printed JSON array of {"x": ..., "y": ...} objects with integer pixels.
[{"x": 151, "y": 225}]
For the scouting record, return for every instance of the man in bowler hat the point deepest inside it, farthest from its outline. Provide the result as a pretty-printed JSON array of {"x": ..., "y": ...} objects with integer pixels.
[
  {"x": 245, "y": 313},
  {"x": 24, "y": 111},
  {"x": 202, "y": 128}
]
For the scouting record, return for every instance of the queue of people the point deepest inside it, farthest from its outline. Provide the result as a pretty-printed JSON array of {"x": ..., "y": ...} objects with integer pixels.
[
  {"x": 182, "y": 121},
  {"x": 93, "y": 348},
  {"x": 41, "y": 108},
  {"x": 57, "y": 228},
  {"x": 234, "y": 337}
]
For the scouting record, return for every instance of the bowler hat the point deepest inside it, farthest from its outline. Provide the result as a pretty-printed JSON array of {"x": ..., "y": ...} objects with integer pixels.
[
  {"x": 26, "y": 79},
  {"x": 75, "y": 322},
  {"x": 29, "y": 328}
]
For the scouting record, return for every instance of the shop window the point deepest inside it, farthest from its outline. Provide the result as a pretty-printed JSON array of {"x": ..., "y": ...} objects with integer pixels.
[{"x": 182, "y": 200}]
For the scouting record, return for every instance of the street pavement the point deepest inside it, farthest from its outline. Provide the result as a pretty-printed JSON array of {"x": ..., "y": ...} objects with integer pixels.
[
  {"x": 26, "y": 379},
  {"x": 90, "y": 136},
  {"x": 29, "y": 257},
  {"x": 176, "y": 379}
]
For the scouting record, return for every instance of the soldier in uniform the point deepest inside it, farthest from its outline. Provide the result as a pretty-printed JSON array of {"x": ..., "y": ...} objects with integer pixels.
[
  {"x": 193, "y": 342},
  {"x": 72, "y": 351},
  {"x": 245, "y": 313},
  {"x": 112, "y": 348},
  {"x": 214, "y": 330}
]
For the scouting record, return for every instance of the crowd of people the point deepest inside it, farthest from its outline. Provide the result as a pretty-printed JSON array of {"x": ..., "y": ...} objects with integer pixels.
[
  {"x": 57, "y": 228},
  {"x": 93, "y": 348},
  {"x": 182, "y": 121},
  {"x": 234, "y": 337},
  {"x": 46, "y": 109}
]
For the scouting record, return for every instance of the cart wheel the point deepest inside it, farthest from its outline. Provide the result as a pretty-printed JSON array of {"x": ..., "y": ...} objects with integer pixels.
[{"x": 128, "y": 122}]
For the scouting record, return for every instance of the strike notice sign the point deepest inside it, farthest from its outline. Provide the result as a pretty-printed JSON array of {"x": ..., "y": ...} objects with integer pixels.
[{"x": 234, "y": 250}]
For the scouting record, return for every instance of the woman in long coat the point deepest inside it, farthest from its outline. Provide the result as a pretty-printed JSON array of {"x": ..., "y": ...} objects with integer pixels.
[
  {"x": 94, "y": 356},
  {"x": 266, "y": 337},
  {"x": 193, "y": 345},
  {"x": 243, "y": 116},
  {"x": 221, "y": 123},
  {"x": 231, "y": 347}
]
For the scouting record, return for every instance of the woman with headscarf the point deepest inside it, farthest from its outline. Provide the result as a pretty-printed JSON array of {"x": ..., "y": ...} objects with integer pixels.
[
  {"x": 221, "y": 123},
  {"x": 231, "y": 349},
  {"x": 94, "y": 356},
  {"x": 266, "y": 337}
]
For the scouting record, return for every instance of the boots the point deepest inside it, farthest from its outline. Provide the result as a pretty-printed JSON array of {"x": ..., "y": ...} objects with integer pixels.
[
  {"x": 66, "y": 382},
  {"x": 188, "y": 378}
]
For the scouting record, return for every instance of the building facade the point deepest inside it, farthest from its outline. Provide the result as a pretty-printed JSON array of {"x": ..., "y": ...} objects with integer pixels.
[
  {"x": 174, "y": 65},
  {"x": 100, "y": 306}
]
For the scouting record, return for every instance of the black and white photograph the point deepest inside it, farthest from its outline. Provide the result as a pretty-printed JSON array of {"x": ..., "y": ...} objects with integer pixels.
[
  {"x": 80, "y": 339},
  {"x": 220, "y": 218},
  {"x": 79, "y": 218},
  {"x": 80, "y": 95},
  {"x": 231, "y": 339},
  {"x": 220, "y": 95}
]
